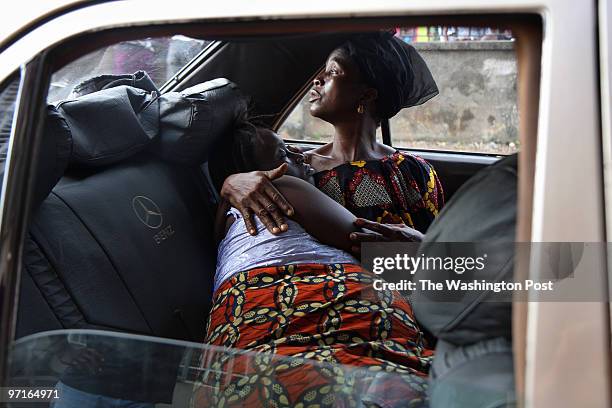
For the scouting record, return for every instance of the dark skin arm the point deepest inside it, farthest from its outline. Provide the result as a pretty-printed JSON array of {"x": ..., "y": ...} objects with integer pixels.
[
  {"x": 318, "y": 214},
  {"x": 374, "y": 231},
  {"x": 377, "y": 232},
  {"x": 254, "y": 193}
]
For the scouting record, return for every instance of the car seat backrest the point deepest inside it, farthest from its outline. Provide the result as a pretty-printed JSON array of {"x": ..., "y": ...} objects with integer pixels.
[
  {"x": 124, "y": 241},
  {"x": 473, "y": 315}
]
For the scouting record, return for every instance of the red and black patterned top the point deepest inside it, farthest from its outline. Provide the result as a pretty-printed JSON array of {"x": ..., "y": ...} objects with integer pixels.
[{"x": 400, "y": 188}]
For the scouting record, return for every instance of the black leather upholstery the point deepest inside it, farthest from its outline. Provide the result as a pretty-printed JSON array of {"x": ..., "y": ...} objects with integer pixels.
[
  {"x": 473, "y": 363},
  {"x": 96, "y": 262},
  {"x": 126, "y": 243},
  {"x": 210, "y": 108},
  {"x": 482, "y": 214},
  {"x": 54, "y": 154},
  {"x": 139, "y": 79}
]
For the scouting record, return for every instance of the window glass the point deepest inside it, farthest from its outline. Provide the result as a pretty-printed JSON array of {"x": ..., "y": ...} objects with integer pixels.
[
  {"x": 87, "y": 368},
  {"x": 476, "y": 110},
  {"x": 8, "y": 99},
  {"x": 160, "y": 57},
  {"x": 301, "y": 126}
]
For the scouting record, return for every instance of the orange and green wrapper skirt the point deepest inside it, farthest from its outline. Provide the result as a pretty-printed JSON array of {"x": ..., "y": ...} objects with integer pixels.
[{"x": 314, "y": 312}]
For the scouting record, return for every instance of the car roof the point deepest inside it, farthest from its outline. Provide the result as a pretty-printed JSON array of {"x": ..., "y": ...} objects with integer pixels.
[
  {"x": 111, "y": 14},
  {"x": 17, "y": 18}
]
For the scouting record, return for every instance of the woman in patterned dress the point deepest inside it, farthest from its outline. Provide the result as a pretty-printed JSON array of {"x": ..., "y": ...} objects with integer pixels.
[
  {"x": 301, "y": 295},
  {"x": 366, "y": 80}
]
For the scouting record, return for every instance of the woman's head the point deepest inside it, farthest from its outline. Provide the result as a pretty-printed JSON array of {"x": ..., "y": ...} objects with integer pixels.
[
  {"x": 269, "y": 151},
  {"x": 373, "y": 74},
  {"x": 340, "y": 89},
  {"x": 251, "y": 148}
]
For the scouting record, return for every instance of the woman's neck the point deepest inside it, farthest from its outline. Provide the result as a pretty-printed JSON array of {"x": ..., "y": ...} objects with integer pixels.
[{"x": 354, "y": 141}]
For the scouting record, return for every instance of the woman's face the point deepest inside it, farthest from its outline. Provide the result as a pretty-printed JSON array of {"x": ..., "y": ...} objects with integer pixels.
[
  {"x": 338, "y": 90},
  {"x": 271, "y": 151}
]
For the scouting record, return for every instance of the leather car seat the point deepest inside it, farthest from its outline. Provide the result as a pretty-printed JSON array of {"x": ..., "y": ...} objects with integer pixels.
[
  {"x": 473, "y": 361},
  {"x": 124, "y": 240}
]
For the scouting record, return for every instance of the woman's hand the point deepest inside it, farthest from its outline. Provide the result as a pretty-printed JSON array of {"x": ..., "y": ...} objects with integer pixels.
[
  {"x": 253, "y": 193},
  {"x": 382, "y": 233}
]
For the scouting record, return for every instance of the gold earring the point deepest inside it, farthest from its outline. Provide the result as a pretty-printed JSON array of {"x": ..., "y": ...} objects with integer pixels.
[{"x": 360, "y": 109}]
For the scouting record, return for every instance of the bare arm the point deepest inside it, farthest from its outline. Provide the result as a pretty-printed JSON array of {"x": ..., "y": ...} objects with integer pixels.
[
  {"x": 327, "y": 220},
  {"x": 318, "y": 214},
  {"x": 253, "y": 193}
]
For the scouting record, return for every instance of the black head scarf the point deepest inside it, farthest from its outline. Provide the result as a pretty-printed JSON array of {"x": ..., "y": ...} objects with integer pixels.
[{"x": 394, "y": 68}]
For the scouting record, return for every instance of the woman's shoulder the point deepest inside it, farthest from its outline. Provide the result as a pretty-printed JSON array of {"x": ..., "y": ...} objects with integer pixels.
[
  {"x": 410, "y": 159},
  {"x": 416, "y": 168},
  {"x": 319, "y": 159}
]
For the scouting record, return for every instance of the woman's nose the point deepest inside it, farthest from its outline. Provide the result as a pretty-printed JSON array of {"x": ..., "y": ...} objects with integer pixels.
[{"x": 317, "y": 81}]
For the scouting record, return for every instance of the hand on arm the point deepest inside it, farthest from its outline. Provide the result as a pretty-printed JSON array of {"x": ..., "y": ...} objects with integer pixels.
[
  {"x": 253, "y": 193},
  {"x": 382, "y": 233},
  {"x": 333, "y": 224}
]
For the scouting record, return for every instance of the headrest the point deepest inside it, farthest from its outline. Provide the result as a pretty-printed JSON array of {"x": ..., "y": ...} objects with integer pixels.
[
  {"x": 191, "y": 121},
  {"x": 53, "y": 156},
  {"x": 112, "y": 124},
  {"x": 138, "y": 79}
]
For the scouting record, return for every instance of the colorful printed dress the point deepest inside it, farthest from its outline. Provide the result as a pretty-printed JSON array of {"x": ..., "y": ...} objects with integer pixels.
[
  {"x": 350, "y": 345},
  {"x": 400, "y": 188},
  {"x": 326, "y": 313}
]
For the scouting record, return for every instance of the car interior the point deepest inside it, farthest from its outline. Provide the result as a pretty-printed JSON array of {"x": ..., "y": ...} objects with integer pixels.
[
  {"x": 121, "y": 230},
  {"x": 108, "y": 256}
]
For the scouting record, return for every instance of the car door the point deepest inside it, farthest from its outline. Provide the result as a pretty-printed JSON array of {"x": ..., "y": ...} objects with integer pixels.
[{"x": 561, "y": 183}]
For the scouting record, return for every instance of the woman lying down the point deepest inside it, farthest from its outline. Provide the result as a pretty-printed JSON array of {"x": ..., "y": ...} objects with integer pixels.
[{"x": 298, "y": 293}]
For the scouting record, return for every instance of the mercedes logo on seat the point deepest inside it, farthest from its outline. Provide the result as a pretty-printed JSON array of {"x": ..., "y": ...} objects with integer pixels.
[{"x": 147, "y": 212}]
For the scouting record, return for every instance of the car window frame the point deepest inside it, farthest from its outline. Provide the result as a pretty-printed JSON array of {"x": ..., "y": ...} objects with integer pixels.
[
  {"x": 17, "y": 192},
  {"x": 36, "y": 79},
  {"x": 33, "y": 89}
]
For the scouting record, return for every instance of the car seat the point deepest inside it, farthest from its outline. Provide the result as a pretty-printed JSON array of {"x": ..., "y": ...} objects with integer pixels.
[
  {"x": 473, "y": 361},
  {"x": 124, "y": 240}
]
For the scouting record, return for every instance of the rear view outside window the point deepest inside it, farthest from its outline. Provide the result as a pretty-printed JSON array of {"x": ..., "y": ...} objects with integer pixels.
[
  {"x": 476, "y": 110},
  {"x": 160, "y": 57}
]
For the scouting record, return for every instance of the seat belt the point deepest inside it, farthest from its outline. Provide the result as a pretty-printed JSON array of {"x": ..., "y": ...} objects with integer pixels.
[{"x": 386, "y": 132}]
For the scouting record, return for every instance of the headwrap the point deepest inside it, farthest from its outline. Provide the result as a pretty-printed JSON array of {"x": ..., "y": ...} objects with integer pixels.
[{"x": 394, "y": 68}]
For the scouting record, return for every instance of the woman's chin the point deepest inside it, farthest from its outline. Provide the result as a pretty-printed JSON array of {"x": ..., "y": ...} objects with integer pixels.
[
  {"x": 316, "y": 111},
  {"x": 313, "y": 109}
]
